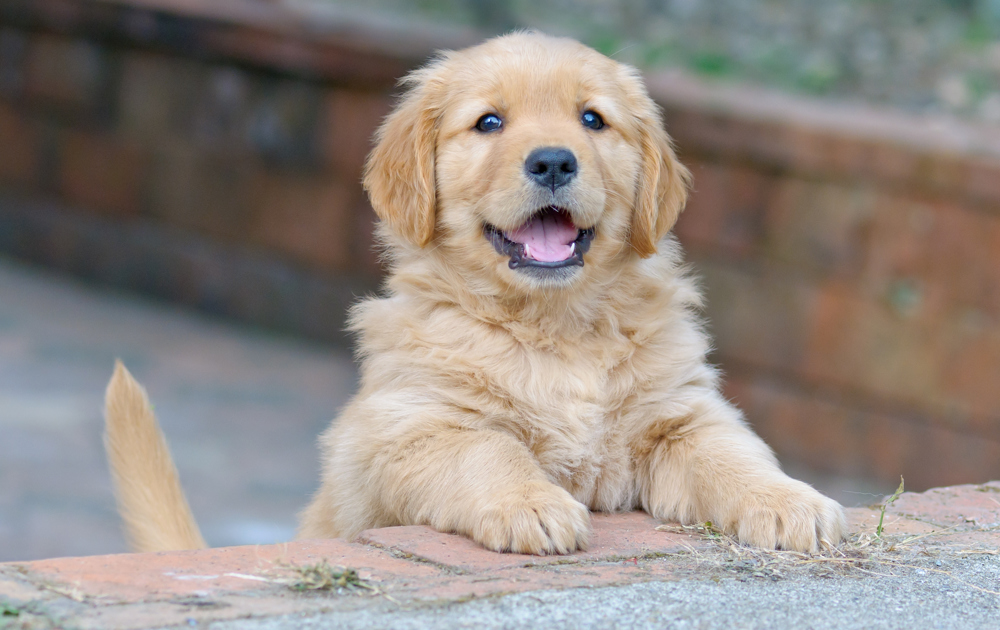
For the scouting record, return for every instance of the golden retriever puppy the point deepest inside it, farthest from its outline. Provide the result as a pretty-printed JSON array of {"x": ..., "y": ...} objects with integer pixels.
[{"x": 538, "y": 352}]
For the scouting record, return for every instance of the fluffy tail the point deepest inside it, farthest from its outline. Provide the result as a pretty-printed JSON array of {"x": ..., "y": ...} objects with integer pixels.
[{"x": 150, "y": 498}]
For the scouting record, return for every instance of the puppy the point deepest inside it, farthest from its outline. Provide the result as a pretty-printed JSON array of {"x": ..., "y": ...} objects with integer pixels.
[{"x": 538, "y": 352}]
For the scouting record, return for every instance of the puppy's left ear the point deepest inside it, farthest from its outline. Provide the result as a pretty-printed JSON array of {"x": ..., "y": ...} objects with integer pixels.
[
  {"x": 663, "y": 185},
  {"x": 399, "y": 172}
]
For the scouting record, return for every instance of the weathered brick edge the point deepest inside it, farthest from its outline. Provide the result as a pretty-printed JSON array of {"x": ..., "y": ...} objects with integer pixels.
[{"x": 417, "y": 564}]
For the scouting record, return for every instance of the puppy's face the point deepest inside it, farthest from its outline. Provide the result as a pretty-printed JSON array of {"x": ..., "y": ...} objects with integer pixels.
[{"x": 530, "y": 162}]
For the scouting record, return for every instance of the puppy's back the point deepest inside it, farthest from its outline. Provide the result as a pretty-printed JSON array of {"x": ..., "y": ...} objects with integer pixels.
[{"x": 151, "y": 502}]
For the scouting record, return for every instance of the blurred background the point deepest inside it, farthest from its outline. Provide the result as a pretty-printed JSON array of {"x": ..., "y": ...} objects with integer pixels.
[{"x": 179, "y": 187}]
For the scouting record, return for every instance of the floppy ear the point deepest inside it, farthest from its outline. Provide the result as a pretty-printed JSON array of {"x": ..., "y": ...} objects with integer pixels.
[
  {"x": 663, "y": 186},
  {"x": 399, "y": 172}
]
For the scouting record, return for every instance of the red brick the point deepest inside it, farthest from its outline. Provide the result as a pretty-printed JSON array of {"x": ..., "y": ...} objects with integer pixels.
[
  {"x": 810, "y": 149},
  {"x": 842, "y": 434},
  {"x": 948, "y": 246},
  {"x": 982, "y": 179},
  {"x": 866, "y": 520},
  {"x": 817, "y": 228},
  {"x": 861, "y": 344},
  {"x": 101, "y": 173},
  {"x": 888, "y": 451},
  {"x": 151, "y": 576},
  {"x": 446, "y": 549},
  {"x": 969, "y": 368},
  {"x": 849, "y": 157},
  {"x": 305, "y": 217},
  {"x": 768, "y": 143},
  {"x": 210, "y": 191},
  {"x": 156, "y": 95},
  {"x": 347, "y": 126},
  {"x": 802, "y": 428},
  {"x": 613, "y": 536},
  {"x": 756, "y": 316},
  {"x": 954, "y": 505},
  {"x": 943, "y": 172},
  {"x": 68, "y": 75},
  {"x": 724, "y": 212},
  {"x": 701, "y": 133},
  {"x": 894, "y": 163},
  {"x": 959, "y": 254},
  {"x": 20, "y": 148}
]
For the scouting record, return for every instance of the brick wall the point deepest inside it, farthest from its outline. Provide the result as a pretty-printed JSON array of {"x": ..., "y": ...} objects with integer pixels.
[
  {"x": 852, "y": 263},
  {"x": 212, "y": 156},
  {"x": 201, "y": 139}
]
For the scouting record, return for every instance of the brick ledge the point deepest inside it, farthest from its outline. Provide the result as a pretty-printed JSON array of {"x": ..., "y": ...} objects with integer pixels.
[{"x": 416, "y": 564}]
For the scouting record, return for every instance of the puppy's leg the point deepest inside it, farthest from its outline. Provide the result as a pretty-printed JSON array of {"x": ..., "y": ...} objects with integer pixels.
[
  {"x": 481, "y": 483},
  {"x": 709, "y": 466}
]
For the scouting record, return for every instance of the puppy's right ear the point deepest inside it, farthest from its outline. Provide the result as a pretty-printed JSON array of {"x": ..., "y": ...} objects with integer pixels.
[{"x": 399, "y": 173}]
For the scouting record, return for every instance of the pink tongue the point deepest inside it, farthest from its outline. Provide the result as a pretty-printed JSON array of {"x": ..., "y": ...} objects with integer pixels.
[{"x": 546, "y": 238}]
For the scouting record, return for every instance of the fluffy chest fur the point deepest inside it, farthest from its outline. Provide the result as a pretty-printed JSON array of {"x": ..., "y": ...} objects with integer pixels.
[{"x": 577, "y": 397}]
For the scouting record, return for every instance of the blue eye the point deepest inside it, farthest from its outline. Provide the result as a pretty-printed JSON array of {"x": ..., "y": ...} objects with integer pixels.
[
  {"x": 488, "y": 123},
  {"x": 592, "y": 120}
]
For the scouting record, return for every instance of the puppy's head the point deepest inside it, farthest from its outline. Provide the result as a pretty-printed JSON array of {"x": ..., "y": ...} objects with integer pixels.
[{"x": 527, "y": 161}]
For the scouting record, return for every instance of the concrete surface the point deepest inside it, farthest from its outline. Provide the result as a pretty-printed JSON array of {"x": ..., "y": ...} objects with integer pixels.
[
  {"x": 915, "y": 600},
  {"x": 241, "y": 409}
]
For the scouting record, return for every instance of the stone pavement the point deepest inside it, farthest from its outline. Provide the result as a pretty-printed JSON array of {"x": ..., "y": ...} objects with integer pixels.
[
  {"x": 936, "y": 565},
  {"x": 241, "y": 408}
]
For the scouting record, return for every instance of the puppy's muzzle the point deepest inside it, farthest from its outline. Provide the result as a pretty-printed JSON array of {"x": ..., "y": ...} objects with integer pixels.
[{"x": 551, "y": 167}]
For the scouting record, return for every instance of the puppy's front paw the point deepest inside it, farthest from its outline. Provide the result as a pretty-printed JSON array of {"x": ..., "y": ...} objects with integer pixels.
[
  {"x": 787, "y": 514},
  {"x": 540, "y": 518}
]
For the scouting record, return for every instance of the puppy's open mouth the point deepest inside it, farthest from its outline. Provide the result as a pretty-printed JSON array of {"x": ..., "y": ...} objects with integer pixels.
[{"x": 549, "y": 239}]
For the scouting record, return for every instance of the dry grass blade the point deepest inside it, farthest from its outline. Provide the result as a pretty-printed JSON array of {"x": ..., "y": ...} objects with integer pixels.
[
  {"x": 322, "y": 576},
  {"x": 706, "y": 529},
  {"x": 863, "y": 552}
]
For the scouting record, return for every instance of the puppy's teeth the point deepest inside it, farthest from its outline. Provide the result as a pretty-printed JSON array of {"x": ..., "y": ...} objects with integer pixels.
[
  {"x": 527, "y": 252},
  {"x": 572, "y": 248}
]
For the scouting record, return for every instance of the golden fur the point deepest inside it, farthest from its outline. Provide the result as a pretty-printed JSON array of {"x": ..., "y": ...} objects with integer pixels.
[
  {"x": 151, "y": 501},
  {"x": 505, "y": 405}
]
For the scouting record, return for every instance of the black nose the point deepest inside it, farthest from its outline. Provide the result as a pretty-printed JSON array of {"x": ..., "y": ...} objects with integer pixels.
[{"x": 551, "y": 167}]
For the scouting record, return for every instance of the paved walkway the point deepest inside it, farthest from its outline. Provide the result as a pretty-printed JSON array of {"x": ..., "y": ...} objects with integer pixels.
[
  {"x": 935, "y": 566},
  {"x": 241, "y": 408}
]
